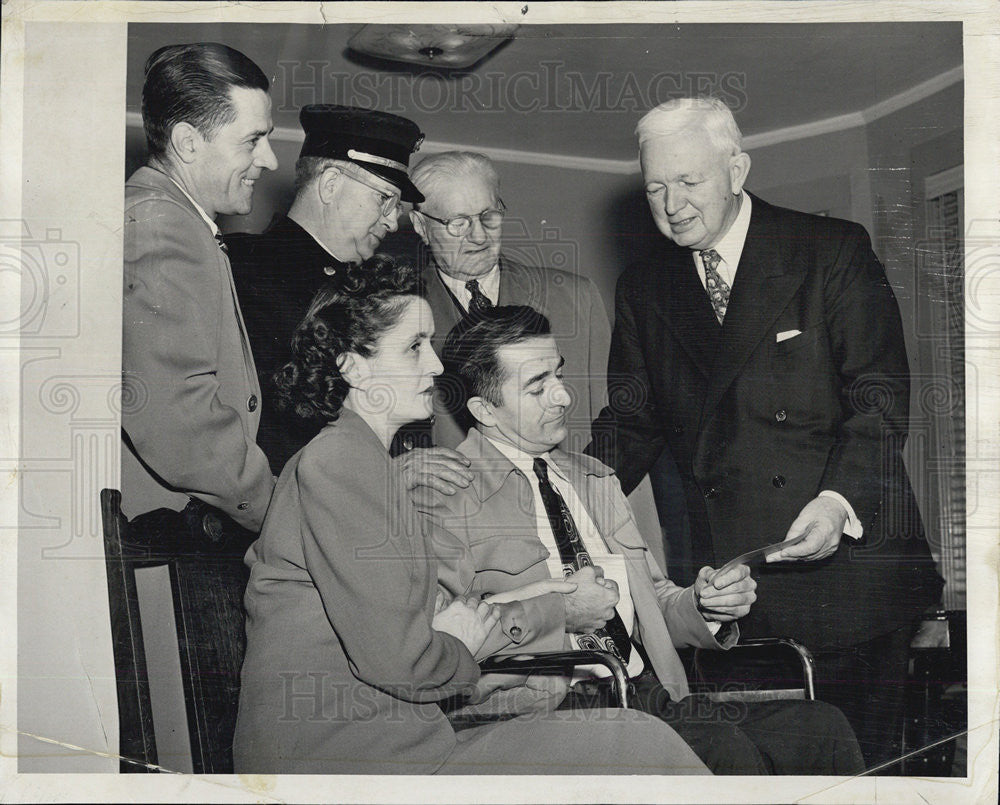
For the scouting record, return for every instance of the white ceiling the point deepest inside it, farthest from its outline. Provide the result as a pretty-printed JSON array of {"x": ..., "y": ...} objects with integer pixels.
[{"x": 531, "y": 94}]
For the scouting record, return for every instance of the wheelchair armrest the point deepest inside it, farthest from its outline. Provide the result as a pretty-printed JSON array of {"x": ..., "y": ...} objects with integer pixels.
[
  {"x": 561, "y": 662},
  {"x": 805, "y": 659},
  {"x": 742, "y": 673}
]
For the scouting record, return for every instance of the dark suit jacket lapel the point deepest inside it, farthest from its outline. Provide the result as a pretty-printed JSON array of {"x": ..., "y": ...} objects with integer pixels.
[
  {"x": 765, "y": 283},
  {"x": 682, "y": 302}
]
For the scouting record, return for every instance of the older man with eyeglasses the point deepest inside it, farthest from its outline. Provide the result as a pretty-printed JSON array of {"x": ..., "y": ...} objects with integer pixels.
[
  {"x": 351, "y": 175},
  {"x": 461, "y": 223}
]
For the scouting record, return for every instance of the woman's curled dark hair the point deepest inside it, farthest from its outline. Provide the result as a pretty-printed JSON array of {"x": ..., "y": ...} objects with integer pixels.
[{"x": 348, "y": 314}]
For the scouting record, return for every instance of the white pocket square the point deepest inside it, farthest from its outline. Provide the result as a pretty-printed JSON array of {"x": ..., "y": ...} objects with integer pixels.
[{"x": 786, "y": 334}]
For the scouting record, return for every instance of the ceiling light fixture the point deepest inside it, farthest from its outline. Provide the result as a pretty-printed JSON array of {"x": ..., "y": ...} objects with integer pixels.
[{"x": 451, "y": 46}]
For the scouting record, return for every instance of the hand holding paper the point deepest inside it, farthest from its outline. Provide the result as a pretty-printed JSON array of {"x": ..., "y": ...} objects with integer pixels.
[
  {"x": 724, "y": 595},
  {"x": 814, "y": 534}
]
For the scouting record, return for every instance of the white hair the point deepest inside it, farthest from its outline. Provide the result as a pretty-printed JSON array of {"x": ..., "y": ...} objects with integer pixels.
[
  {"x": 437, "y": 169},
  {"x": 682, "y": 114}
]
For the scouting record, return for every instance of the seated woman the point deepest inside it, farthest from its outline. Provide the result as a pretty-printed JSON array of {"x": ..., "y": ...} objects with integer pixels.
[{"x": 349, "y": 645}]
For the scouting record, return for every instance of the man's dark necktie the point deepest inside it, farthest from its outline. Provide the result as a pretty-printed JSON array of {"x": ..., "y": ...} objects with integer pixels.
[
  {"x": 480, "y": 302},
  {"x": 614, "y": 636},
  {"x": 718, "y": 291}
]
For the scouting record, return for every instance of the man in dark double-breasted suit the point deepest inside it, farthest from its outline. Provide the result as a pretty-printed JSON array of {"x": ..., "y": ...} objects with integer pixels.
[{"x": 764, "y": 346}]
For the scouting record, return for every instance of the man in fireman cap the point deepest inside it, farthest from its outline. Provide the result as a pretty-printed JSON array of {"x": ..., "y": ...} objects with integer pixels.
[{"x": 350, "y": 177}]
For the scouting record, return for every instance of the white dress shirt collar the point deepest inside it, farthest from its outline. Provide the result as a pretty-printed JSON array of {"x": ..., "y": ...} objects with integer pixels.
[
  {"x": 730, "y": 245},
  {"x": 523, "y": 461},
  {"x": 211, "y": 224},
  {"x": 489, "y": 284}
]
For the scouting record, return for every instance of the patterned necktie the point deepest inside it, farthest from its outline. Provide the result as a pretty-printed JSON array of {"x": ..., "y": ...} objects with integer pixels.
[
  {"x": 222, "y": 243},
  {"x": 718, "y": 291},
  {"x": 614, "y": 636},
  {"x": 480, "y": 302}
]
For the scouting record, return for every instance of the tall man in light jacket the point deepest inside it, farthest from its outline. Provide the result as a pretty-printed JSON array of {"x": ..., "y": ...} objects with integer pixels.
[{"x": 191, "y": 400}]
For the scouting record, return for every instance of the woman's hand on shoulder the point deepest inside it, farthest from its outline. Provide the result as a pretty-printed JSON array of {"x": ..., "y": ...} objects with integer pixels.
[{"x": 437, "y": 468}]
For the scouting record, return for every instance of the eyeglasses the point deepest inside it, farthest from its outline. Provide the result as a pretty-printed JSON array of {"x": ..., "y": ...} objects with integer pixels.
[
  {"x": 459, "y": 226},
  {"x": 389, "y": 202}
]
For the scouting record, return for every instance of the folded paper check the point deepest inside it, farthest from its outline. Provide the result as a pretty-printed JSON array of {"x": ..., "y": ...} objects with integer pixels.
[
  {"x": 784, "y": 335},
  {"x": 757, "y": 553}
]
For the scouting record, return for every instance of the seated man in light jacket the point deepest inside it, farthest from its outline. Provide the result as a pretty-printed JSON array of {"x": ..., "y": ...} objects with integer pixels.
[{"x": 534, "y": 513}]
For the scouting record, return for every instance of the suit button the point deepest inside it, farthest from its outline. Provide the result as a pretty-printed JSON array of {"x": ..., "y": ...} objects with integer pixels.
[
  {"x": 677, "y": 429},
  {"x": 778, "y": 481},
  {"x": 711, "y": 492},
  {"x": 243, "y": 506},
  {"x": 780, "y": 416},
  {"x": 252, "y": 403}
]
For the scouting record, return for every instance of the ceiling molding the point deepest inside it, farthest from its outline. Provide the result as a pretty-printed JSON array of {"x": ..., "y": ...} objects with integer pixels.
[
  {"x": 917, "y": 93},
  {"x": 804, "y": 131},
  {"x": 626, "y": 167},
  {"x": 283, "y": 134},
  {"x": 854, "y": 119}
]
